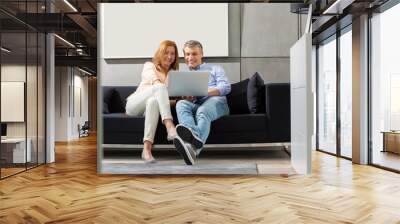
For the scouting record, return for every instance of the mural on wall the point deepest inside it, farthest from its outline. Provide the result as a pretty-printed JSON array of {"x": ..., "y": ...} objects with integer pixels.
[{"x": 134, "y": 113}]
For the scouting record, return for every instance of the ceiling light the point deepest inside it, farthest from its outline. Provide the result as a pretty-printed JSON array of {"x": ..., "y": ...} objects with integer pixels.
[
  {"x": 5, "y": 50},
  {"x": 70, "y": 5},
  {"x": 64, "y": 40},
  {"x": 338, "y": 6},
  {"x": 84, "y": 71}
]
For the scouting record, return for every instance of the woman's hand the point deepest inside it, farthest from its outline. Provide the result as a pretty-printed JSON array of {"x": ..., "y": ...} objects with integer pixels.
[
  {"x": 160, "y": 74},
  {"x": 157, "y": 81}
]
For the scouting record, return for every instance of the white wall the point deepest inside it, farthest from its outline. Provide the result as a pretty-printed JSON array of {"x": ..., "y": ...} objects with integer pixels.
[
  {"x": 80, "y": 84},
  {"x": 33, "y": 126},
  {"x": 142, "y": 26},
  {"x": 61, "y": 103},
  {"x": 68, "y": 83},
  {"x": 17, "y": 73}
]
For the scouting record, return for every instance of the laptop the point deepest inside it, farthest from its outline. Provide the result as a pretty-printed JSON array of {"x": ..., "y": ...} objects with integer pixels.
[{"x": 188, "y": 83}]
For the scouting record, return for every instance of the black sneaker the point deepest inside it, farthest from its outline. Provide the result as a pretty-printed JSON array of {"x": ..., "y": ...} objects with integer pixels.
[
  {"x": 188, "y": 136},
  {"x": 185, "y": 149}
]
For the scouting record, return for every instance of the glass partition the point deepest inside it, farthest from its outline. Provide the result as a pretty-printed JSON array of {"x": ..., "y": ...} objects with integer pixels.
[
  {"x": 385, "y": 89},
  {"x": 22, "y": 87},
  {"x": 14, "y": 152}
]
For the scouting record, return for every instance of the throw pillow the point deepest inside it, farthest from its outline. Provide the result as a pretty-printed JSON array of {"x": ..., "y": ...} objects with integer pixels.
[
  {"x": 107, "y": 93},
  {"x": 116, "y": 105},
  {"x": 105, "y": 108},
  {"x": 237, "y": 98},
  {"x": 256, "y": 94}
]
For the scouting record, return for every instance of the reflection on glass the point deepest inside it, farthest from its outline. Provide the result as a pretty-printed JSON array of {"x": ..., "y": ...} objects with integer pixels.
[
  {"x": 327, "y": 97},
  {"x": 346, "y": 94},
  {"x": 31, "y": 101},
  {"x": 394, "y": 102},
  {"x": 41, "y": 98},
  {"x": 23, "y": 85},
  {"x": 385, "y": 88},
  {"x": 13, "y": 85}
]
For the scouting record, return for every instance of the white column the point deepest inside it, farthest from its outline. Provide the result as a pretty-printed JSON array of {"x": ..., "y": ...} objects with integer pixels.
[
  {"x": 360, "y": 90},
  {"x": 50, "y": 99},
  {"x": 100, "y": 22}
]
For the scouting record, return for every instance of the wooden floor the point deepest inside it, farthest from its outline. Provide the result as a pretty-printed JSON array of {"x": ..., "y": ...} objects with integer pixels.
[
  {"x": 70, "y": 191},
  {"x": 10, "y": 171},
  {"x": 386, "y": 159}
]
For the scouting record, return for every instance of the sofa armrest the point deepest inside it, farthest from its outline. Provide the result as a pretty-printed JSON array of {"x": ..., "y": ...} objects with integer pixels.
[{"x": 278, "y": 111}]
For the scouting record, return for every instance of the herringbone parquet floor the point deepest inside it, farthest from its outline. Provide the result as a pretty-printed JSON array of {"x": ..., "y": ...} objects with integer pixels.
[{"x": 70, "y": 191}]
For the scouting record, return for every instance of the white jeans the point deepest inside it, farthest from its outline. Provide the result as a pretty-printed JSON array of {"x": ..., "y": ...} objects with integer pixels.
[{"x": 150, "y": 102}]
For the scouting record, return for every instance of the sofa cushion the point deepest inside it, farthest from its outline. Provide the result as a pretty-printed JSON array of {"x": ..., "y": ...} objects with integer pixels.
[
  {"x": 237, "y": 98},
  {"x": 240, "y": 123},
  {"x": 120, "y": 128},
  {"x": 114, "y": 98},
  {"x": 120, "y": 122},
  {"x": 237, "y": 138},
  {"x": 256, "y": 94},
  {"x": 125, "y": 91}
]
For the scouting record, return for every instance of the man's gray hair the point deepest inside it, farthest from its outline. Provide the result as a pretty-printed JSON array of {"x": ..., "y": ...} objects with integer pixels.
[{"x": 192, "y": 44}]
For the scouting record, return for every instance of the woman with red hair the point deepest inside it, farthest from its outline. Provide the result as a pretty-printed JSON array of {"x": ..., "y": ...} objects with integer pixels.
[{"x": 151, "y": 97}]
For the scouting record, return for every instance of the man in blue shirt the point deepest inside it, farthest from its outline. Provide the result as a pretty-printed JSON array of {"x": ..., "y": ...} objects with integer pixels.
[{"x": 195, "y": 115}]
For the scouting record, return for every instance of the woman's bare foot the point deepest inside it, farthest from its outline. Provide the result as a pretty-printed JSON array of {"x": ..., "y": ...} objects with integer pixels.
[
  {"x": 146, "y": 153},
  {"x": 171, "y": 133},
  {"x": 171, "y": 130}
]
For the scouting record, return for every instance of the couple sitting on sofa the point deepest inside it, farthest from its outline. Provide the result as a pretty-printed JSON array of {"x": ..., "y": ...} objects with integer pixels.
[{"x": 194, "y": 114}]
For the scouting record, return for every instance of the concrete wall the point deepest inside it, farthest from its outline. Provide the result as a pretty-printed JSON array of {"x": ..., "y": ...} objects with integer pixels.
[{"x": 260, "y": 36}]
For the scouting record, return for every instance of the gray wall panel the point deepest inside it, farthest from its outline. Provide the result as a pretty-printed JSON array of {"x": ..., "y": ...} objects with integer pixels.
[
  {"x": 273, "y": 70},
  {"x": 120, "y": 74},
  {"x": 234, "y": 29},
  {"x": 232, "y": 71},
  {"x": 268, "y": 30}
]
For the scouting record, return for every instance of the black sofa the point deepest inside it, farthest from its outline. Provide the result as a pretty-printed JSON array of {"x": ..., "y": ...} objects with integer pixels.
[{"x": 272, "y": 126}]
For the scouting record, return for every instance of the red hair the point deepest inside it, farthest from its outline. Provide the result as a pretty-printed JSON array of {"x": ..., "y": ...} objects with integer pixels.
[{"x": 162, "y": 49}]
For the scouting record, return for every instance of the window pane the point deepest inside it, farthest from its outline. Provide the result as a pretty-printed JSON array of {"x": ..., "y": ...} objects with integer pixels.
[
  {"x": 346, "y": 94},
  {"x": 385, "y": 88},
  {"x": 327, "y": 97}
]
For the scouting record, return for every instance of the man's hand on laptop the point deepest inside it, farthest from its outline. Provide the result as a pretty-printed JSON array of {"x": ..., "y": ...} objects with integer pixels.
[{"x": 189, "y": 98}]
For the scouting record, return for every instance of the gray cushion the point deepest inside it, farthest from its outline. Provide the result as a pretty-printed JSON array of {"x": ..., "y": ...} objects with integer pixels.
[{"x": 256, "y": 94}]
